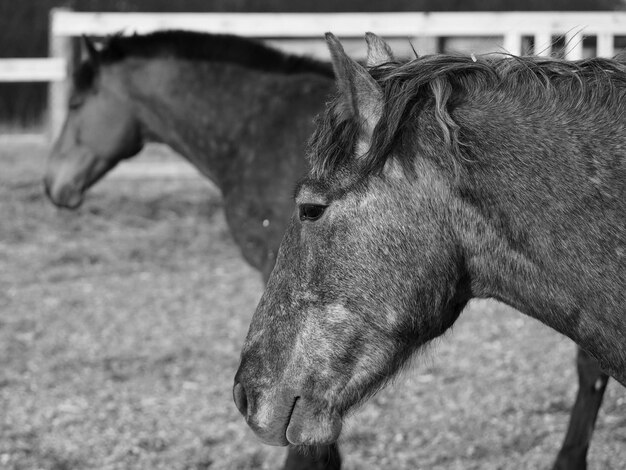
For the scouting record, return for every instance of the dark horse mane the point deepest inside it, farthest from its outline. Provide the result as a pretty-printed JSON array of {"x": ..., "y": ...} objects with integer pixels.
[
  {"x": 201, "y": 47},
  {"x": 439, "y": 83}
]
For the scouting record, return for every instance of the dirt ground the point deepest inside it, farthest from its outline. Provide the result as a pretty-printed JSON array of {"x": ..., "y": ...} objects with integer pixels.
[{"x": 120, "y": 331}]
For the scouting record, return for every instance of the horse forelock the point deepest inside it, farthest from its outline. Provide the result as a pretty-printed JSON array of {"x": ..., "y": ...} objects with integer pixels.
[
  {"x": 438, "y": 82},
  {"x": 333, "y": 141}
]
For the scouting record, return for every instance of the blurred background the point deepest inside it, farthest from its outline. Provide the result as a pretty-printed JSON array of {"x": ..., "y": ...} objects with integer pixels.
[{"x": 121, "y": 323}]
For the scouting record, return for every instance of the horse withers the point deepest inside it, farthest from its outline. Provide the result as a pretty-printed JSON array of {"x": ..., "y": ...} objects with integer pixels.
[{"x": 433, "y": 182}]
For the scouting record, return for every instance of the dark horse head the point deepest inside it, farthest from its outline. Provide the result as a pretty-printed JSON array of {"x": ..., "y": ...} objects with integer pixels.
[
  {"x": 433, "y": 182},
  {"x": 100, "y": 130},
  {"x": 336, "y": 316}
]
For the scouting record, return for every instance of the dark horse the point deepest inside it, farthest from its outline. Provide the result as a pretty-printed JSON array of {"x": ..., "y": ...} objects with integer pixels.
[
  {"x": 433, "y": 182},
  {"x": 239, "y": 111}
]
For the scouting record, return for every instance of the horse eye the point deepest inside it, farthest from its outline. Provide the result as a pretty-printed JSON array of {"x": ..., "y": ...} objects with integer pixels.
[{"x": 311, "y": 211}]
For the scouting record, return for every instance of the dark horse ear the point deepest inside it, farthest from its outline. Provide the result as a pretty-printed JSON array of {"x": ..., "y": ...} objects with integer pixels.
[
  {"x": 90, "y": 49},
  {"x": 361, "y": 98},
  {"x": 378, "y": 51}
]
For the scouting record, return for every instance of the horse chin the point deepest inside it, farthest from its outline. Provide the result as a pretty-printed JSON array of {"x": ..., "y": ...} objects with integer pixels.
[
  {"x": 293, "y": 421},
  {"x": 307, "y": 427},
  {"x": 67, "y": 199},
  {"x": 72, "y": 204}
]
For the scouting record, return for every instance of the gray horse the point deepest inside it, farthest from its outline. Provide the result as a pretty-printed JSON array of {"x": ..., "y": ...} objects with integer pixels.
[{"x": 433, "y": 182}]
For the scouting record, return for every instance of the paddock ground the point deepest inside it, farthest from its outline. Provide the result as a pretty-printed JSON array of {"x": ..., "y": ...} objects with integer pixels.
[{"x": 120, "y": 331}]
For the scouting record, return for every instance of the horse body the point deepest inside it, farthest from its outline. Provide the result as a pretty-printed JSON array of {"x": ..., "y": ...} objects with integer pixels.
[
  {"x": 432, "y": 183},
  {"x": 227, "y": 119},
  {"x": 237, "y": 152},
  {"x": 540, "y": 214},
  {"x": 238, "y": 111}
]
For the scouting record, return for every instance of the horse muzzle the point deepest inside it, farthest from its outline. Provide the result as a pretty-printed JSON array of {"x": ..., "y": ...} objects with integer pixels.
[
  {"x": 282, "y": 417},
  {"x": 64, "y": 196}
]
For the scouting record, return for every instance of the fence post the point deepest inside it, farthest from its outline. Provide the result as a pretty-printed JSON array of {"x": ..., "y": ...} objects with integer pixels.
[
  {"x": 58, "y": 91},
  {"x": 604, "y": 46},
  {"x": 574, "y": 45},
  {"x": 543, "y": 44},
  {"x": 513, "y": 43}
]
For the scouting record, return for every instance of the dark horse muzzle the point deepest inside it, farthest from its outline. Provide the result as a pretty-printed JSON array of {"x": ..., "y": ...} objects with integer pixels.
[{"x": 283, "y": 416}]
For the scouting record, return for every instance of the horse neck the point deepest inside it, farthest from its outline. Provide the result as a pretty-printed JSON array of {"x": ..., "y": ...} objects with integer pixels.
[
  {"x": 208, "y": 111},
  {"x": 540, "y": 215}
]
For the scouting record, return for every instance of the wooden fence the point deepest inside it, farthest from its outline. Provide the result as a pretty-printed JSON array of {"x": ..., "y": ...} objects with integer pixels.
[{"x": 302, "y": 32}]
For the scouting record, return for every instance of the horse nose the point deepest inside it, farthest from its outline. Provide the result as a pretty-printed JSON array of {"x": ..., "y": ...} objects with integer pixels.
[{"x": 241, "y": 400}]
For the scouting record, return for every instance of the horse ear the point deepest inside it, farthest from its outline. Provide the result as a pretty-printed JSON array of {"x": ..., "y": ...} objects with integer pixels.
[
  {"x": 378, "y": 51},
  {"x": 90, "y": 48},
  {"x": 360, "y": 96}
]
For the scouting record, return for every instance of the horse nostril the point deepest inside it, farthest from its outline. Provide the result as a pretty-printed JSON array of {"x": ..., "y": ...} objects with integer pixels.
[
  {"x": 241, "y": 401},
  {"x": 46, "y": 188}
]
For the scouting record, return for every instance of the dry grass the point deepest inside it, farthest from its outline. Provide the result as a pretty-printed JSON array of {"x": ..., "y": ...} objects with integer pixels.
[{"x": 120, "y": 329}]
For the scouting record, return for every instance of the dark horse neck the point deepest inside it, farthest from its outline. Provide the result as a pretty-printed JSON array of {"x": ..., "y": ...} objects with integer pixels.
[
  {"x": 243, "y": 128},
  {"x": 542, "y": 202},
  {"x": 224, "y": 117}
]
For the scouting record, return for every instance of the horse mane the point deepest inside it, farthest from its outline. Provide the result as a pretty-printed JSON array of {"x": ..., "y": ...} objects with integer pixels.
[
  {"x": 440, "y": 82},
  {"x": 200, "y": 47}
]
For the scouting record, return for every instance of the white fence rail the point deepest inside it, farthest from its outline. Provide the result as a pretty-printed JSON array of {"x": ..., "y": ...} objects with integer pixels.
[
  {"x": 295, "y": 31},
  {"x": 32, "y": 70},
  {"x": 67, "y": 23}
]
